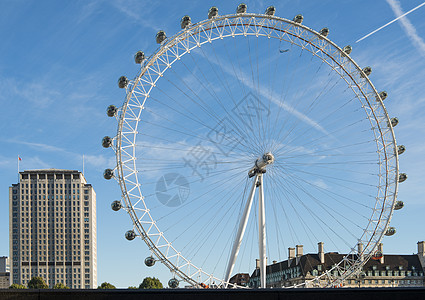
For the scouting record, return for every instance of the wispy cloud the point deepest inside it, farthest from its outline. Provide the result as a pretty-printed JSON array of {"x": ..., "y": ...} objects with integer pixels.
[
  {"x": 36, "y": 92},
  {"x": 141, "y": 16},
  {"x": 320, "y": 184},
  {"x": 35, "y": 163},
  {"x": 89, "y": 9},
  {"x": 100, "y": 161},
  {"x": 40, "y": 146},
  {"x": 408, "y": 27},
  {"x": 271, "y": 96}
]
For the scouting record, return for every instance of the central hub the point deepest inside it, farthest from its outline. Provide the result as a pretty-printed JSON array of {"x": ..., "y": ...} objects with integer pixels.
[{"x": 261, "y": 163}]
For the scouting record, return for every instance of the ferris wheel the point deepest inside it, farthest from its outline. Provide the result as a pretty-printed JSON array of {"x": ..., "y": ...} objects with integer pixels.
[{"x": 247, "y": 133}]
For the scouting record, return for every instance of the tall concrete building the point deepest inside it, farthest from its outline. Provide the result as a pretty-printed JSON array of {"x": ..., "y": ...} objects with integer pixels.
[{"x": 52, "y": 221}]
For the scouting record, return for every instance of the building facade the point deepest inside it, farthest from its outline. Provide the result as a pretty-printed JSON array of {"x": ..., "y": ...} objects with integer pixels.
[
  {"x": 4, "y": 272},
  {"x": 52, "y": 227},
  {"x": 240, "y": 279},
  {"x": 390, "y": 270}
]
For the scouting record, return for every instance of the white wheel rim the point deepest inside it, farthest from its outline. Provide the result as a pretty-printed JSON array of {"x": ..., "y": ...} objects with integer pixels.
[{"x": 261, "y": 26}]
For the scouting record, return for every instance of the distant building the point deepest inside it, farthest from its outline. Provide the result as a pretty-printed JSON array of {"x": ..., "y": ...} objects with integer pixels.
[
  {"x": 392, "y": 270},
  {"x": 241, "y": 279},
  {"x": 52, "y": 220},
  {"x": 4, "y": 272}
]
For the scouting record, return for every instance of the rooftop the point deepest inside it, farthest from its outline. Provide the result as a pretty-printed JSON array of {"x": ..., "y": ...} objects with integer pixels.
[{"x": 52, "y": 170}]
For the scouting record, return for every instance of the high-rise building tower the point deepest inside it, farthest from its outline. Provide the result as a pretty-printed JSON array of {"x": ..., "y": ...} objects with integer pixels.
[{"x": 52, "y": 221}]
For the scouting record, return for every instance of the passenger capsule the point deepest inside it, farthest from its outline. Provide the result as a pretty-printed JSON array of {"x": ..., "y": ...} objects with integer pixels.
[
  {"x": 241, "y": 9},
  {"x": 402, "y": 177},
  {"x": 130, "y": 235},
  {"x": 123, "y": 82},
  {"x": 173, "y": 283},
  {"x": 298, "y": 19},
  {"x": 139, "y": 57},
  {"x": 116, "y": 205},
  {"x": 212, "y": 12},
  {"x": 111, "y": 111},
  {"x": 270, "y": 11},
  {"x": 160, "y": 37},
  {"x": 185, "y": 22},
  {"x": 394, "y": 122},
  {"x": 149, "y": 261},
  {"x": 390, "y": 231},
  {"x": 347, "y": 49},
  {"x": 383, "y": 96},
  {"x": 401, "y": 149},
  {"x": 366, "y": 71},
  {"x": 108, "y": 174},
  {"x": 106, "y": 142},
  {"x": 398, "y": 205},
  {"x": 324, "y": 32}
]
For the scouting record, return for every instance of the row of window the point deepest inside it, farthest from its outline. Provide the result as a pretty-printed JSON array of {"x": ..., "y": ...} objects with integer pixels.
[
  {"x": 51, "y": 214},
  {"x": 58, "y": 270},
  {"x": 387, "y": 282},
  {"x": 50, "y": 220},
  {"x": 50, "y": 231},
  {"x": 32, "y": 192},
  {"x": 60, "y": 205},
  {"x": 52, "y": 236},
  {"x": 44, "y": 225},
  {"x": 52, "y": 247},
  {"x": 50, "y": 185},
  {"x": 52, "y": 197},
  {"x": 51, "y": 256},
  {"x": 50, "y": 252},
  {"x": 44, "y": 241}
]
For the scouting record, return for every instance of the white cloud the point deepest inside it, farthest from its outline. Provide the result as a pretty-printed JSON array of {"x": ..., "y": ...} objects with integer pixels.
[
  {"x": 408, "y": 27},
  {"x": 33, "y": 163},
  {"x": 40, "y": 146},
  {"x": 270, "y": 95},
  {"x": 36, "y": 92},
  {"x": 99, "y": 161},
  {"x": 320, "y": 184},
  {"x": 130, "y": 9}
]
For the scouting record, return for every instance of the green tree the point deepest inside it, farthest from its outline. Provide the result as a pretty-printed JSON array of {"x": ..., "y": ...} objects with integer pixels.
[
  {"x": 60, "y": 286},
  {"x": 106, "y": 285},
  {"x": 17, "y": 286},
  {"x": 151, "y": 283},
  {"x": 37, "y": 283}
]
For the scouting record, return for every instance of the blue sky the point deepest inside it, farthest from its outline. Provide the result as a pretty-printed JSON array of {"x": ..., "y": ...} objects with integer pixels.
[{"x": 59, "y": 65}]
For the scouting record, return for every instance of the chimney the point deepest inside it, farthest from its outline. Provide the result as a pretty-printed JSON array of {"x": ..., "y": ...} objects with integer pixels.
[
  {"x": 257, "y": 263},
  {"x": 360, "y": 251},
  {"x": 299, "y": 253},
  {"x": 421, "y": 248},
  {"x": 299, "y": 250},
  {"x": 291, "y": 253},
  {"x": 380, "y": 248},
  {"x": 275, "y": 262},
  {"x": 421, "y": 253},
  {"x": 321, "y": 252}
]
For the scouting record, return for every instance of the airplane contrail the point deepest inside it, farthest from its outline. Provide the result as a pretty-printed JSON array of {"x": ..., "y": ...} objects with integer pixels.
[{"x": 399, "y": 17}]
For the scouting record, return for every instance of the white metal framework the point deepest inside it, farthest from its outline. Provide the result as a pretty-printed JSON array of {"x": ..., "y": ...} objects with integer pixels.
[{"x": 131, "y": 174}]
